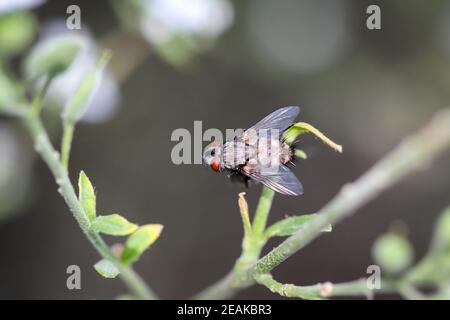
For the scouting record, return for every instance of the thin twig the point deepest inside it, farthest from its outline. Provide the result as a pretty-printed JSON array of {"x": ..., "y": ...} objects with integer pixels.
[
  {"x": 412, "y": 154},
  {"x": 325, "y": 290},
  {"x": 252, "y": 245},
  {"x": 51, "y": 157},
  {"x": 262, "y": 211}
]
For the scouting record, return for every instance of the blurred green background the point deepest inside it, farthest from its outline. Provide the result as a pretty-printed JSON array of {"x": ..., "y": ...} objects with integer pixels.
[{"x": 366, "y": 89}]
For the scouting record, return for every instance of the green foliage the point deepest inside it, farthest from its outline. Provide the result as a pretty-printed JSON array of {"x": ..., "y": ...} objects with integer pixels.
[
  {"x": 393, "y": 253},
  {"x": 441, "y": 239},
  {"x": 434, "y": 269},
  {"x": 291, "y": 225},
  {"x": 45, "y": 61},
  {"x": 113, "y": 224},
  {"x": 106, "y": 269},
  {"x": 8, "y": 95},
  {"x": 140, "y": 241},
  {"x": 300, "y": 154},
  {"x": 77, "y": 105},
  {"x": 299, "y": 128},
  {"x": 87, "y": 196},
  {"x": 17, "y": 31},
  {"x": 52, "y": 57},
  {"x": 435, "y": 266}
]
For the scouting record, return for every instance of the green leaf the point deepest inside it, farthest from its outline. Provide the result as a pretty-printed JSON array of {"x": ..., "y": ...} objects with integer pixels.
[
  {"x": 87, "y": 196},
  {"x": 300, "y": 154},
  {"x": 53, "y": 56},
  {"x": 291, "y": 225},
  {"x": 392, "y": 252},
  {"x": 17, "y": 31},
  {"x": 291, "y": 134},
  {"x": 140, "y": 241},
  {"x": 107, "y": 269},
  {"x": 8, "y": 94},
  {"x": 113, "y": 224},
  {"x": 441, "y": 236},
  {"x": 77, "y": 105},
  {"x": 433, "y": 268}
]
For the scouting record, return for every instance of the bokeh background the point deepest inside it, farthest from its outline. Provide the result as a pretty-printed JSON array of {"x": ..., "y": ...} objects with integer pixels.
[{"x": 227, "y": 63}]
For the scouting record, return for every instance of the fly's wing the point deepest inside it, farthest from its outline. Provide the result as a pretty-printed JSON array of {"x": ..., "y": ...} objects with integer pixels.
[
  {"x": 280, "y": 120},
  {"x": 281, "y": 180}
]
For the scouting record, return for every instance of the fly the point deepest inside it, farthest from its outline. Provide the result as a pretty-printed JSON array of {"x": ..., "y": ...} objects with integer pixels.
[{"x": 259, "y": 154}]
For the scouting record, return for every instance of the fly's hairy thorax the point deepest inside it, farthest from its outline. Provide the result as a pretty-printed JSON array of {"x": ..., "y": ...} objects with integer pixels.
[{"x": 265, "y": 152}]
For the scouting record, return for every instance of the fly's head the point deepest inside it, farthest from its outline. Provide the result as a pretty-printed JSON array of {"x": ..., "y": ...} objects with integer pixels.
[{"x": 212, "y": 156}]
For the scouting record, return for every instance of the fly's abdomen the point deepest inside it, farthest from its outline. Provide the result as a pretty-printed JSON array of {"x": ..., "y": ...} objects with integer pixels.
[{"x": 286, "y": 153}]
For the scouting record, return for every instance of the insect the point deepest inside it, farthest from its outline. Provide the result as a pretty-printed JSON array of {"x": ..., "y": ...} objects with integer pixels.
[{"x": 259, "y": 154}]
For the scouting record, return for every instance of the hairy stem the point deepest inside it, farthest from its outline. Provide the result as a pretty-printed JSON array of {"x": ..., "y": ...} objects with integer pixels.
[
  {"x": 262, "y": 211},
  {"x": 51, "y": 157},
  {"x": 252, "y": 245},
  {"x": 352, "y": 288},
  {"x": 412, "y": 154}
]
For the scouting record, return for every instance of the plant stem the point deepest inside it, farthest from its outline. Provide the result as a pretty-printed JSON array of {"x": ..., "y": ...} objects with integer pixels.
[
  {"x": 36, "y": 104},
  {"x": 352, "y": 288},
  {"x": 134, "y": 282},
  {"x": 409, "y": 292},
  {"x": 252, "y": 245},
  {"x": 262, "y": 211},
  {"x": 412, "y": 154},
  {"x": 66, "y": 144},
  {"x": 222, "y": 289},
  {"x": 51, "y": 157}
]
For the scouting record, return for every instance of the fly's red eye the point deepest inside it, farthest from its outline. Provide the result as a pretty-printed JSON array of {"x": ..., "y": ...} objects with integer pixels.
[{"x": 215, "y": 165}]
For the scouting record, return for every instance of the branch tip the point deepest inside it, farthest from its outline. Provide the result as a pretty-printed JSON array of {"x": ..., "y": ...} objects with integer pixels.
[
  {"x": 243, "y": 208},
  {"x": 326, "y": 289}
]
